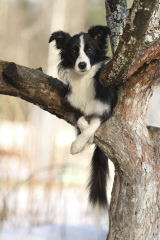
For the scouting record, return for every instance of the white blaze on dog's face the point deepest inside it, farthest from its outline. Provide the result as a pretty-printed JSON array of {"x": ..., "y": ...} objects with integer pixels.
[{"x": 82, "y": 63}]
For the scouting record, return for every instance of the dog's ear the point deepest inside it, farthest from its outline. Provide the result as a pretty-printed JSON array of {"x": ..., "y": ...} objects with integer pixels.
[
  {"x": 60, "y": 37},
  {"x": 99, "y": 34}
]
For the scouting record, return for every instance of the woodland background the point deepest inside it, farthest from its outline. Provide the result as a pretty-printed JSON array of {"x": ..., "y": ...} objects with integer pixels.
[{"x": 42, "y": 187}]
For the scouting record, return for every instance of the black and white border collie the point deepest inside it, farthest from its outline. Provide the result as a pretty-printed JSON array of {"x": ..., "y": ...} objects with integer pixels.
[{"x": 82, "y": 59}]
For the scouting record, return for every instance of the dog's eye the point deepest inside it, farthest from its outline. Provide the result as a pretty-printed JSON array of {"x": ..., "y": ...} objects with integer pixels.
[
  {"x": 75, "y": 50},
  {"x": 88, "y": 49}
]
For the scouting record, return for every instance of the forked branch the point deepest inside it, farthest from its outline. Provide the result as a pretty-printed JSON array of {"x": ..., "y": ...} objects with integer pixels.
[{"x": 137, "y": 24}]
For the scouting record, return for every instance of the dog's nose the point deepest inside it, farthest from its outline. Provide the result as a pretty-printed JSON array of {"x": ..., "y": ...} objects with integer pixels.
[{"x": 82, "y": 65}]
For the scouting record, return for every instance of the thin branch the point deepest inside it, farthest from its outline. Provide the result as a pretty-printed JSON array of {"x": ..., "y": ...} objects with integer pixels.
[{"x": 137, "y": 24}]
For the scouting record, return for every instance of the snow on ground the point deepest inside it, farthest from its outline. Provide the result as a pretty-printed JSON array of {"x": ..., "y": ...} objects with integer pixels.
[{"x": 54, "y": 232}]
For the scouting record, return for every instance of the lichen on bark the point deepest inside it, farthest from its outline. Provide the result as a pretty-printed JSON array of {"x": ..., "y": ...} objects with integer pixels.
[{"x": 116, "y": 13}]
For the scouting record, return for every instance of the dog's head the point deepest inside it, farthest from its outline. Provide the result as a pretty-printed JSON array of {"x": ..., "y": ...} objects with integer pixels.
[{"x": 83, "y": 50}]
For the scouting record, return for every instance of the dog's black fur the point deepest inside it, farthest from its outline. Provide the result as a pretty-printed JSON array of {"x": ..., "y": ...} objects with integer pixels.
[{"x": 82, "y": 60}]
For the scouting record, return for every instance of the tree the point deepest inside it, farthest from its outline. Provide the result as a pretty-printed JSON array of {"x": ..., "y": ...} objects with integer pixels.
[{"x": 125, "y": 138}]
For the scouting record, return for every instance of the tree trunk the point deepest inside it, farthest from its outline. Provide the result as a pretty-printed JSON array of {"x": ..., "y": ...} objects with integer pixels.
[
  {"x": 135, "y": 203},
  {"x": 133, "y": 148}
]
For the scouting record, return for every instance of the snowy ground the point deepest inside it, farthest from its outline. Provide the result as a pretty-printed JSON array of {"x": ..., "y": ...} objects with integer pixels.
[{"x": 54, "y": 232}]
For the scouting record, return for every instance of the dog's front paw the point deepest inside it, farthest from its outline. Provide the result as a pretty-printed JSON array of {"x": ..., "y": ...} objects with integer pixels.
[
  {"x": 82, "y": 123},
  {"x": 76, "y": 147}
]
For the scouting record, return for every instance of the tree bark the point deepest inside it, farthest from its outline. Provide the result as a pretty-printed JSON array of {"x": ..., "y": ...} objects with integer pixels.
[
  {"x": 36, "y": 87},
  {"x": 135, "y": 205},
  {"x": 116, "y": 13}
]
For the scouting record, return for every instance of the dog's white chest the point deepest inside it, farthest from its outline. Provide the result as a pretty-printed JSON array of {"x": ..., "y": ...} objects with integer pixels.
[{"x": 82, "y": 95}]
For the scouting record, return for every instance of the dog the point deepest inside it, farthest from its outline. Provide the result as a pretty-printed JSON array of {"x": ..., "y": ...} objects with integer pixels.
[{"x": 82, "y": 58}]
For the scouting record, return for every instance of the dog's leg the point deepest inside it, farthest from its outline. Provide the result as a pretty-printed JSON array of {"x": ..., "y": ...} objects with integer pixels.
[
  {"x": 78, "y": 145},
  {"x": 91, "y": 140},
  {"x": 82, "y": 123}
]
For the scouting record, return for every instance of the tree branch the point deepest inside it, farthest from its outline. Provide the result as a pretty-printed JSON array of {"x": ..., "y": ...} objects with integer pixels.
[
  {"x": 36, "y": 87},
  {"x": 150, "y": 54},
  {"x": 116, "y": 13},
  {"x": 137, "y": 24}
]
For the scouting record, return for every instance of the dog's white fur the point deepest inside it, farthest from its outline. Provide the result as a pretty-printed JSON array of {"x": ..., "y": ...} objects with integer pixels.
[
  {"x": 83, "y": 92},
  {"x": 83, "y": 125},
  {"x": 82, "y": 57},
  {"x": 83, "y": 138}
]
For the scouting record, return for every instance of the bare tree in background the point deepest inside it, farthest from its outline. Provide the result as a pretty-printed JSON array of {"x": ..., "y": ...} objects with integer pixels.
[{"x": 125, "y": 138}]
